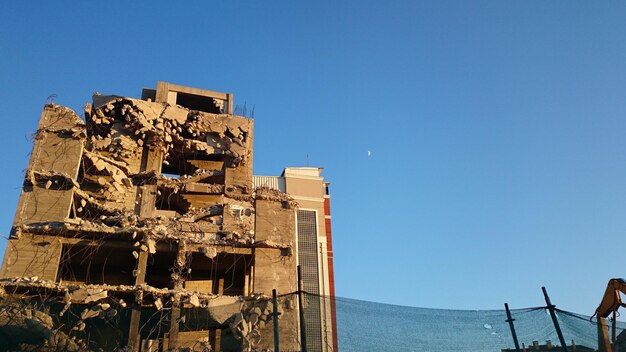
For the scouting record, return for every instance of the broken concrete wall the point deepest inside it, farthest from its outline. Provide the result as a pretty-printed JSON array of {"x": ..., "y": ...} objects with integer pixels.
[
  {"x": 54, "y": 162},
  {"x": 276, "y": 268},
  {"x": 239, "y": 217},
  {"x": 147, "y": 138},
  {"x": 275, "y": 217},
  {"x": 153, "y": 203},
  {"x": 32, "y": 256}
]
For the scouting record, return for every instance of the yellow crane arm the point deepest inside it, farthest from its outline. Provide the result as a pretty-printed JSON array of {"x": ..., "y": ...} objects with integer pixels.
[{"x": 611, "y": 299}]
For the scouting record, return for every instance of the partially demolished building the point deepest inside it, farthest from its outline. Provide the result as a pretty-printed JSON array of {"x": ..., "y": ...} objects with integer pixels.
[{"x": 143, "y": 228}]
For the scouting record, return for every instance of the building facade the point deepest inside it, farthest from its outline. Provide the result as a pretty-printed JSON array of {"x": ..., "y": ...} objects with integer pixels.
[
  {"x": 143, "y": 227},
  {"x": 315, "y": 254}
]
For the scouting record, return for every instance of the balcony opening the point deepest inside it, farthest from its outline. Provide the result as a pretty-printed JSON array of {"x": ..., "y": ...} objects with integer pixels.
[
  {"x": 201, "y": 187},
  {"x": 159, "y": 270},
  {"x": 199, "y": 103},
  {"x": 178, "y": 164},
  {"x": 169, "y": 203},
  {"x": 225, "y": 274},
  {"x": 86, "y": 263}
]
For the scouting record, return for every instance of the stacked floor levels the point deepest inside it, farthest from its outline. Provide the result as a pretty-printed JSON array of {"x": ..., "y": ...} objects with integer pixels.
[{"x": 141, "y": 227}]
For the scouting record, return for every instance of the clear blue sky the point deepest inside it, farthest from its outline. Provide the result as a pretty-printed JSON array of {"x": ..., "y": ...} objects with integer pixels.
[{"x": 496, "y": 128}]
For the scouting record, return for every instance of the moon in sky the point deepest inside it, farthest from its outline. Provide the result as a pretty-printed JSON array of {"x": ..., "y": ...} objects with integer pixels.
[{"x": 369, "y": 153}]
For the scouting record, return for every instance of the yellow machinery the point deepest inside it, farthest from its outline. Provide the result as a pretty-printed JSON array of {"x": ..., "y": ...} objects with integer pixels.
[{"x": 611, "y": 301}]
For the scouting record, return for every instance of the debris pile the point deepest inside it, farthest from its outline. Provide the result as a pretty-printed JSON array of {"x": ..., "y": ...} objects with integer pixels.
[{"x": 136, "y": 216}]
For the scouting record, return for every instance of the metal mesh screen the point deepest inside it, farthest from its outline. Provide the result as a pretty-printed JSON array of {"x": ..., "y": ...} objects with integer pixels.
[
  {"x": 308, "y": 261},
  {"x": 370, "y": 326},
  {"x": 44, "y": 323}
]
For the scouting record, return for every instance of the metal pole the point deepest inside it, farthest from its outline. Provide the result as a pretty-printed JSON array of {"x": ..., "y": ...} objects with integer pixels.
[
  {"x": 301, "y": 306},
  {"x": 554, "y": 319},
  {"x": 510, "y": 321},
  {"x": 275, "y": 318}
]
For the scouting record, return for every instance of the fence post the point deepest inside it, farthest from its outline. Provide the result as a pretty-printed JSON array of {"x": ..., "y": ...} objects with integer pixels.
[
  {"x": 510, "y": 321},
  {"x": 554, "y": 319},
  {"x": 301, "y": 306},
  {"x": 275, "y": 318}
]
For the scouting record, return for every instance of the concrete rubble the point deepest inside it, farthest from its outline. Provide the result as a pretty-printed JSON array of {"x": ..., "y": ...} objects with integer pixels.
[{"x": 108, "y": 202}]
